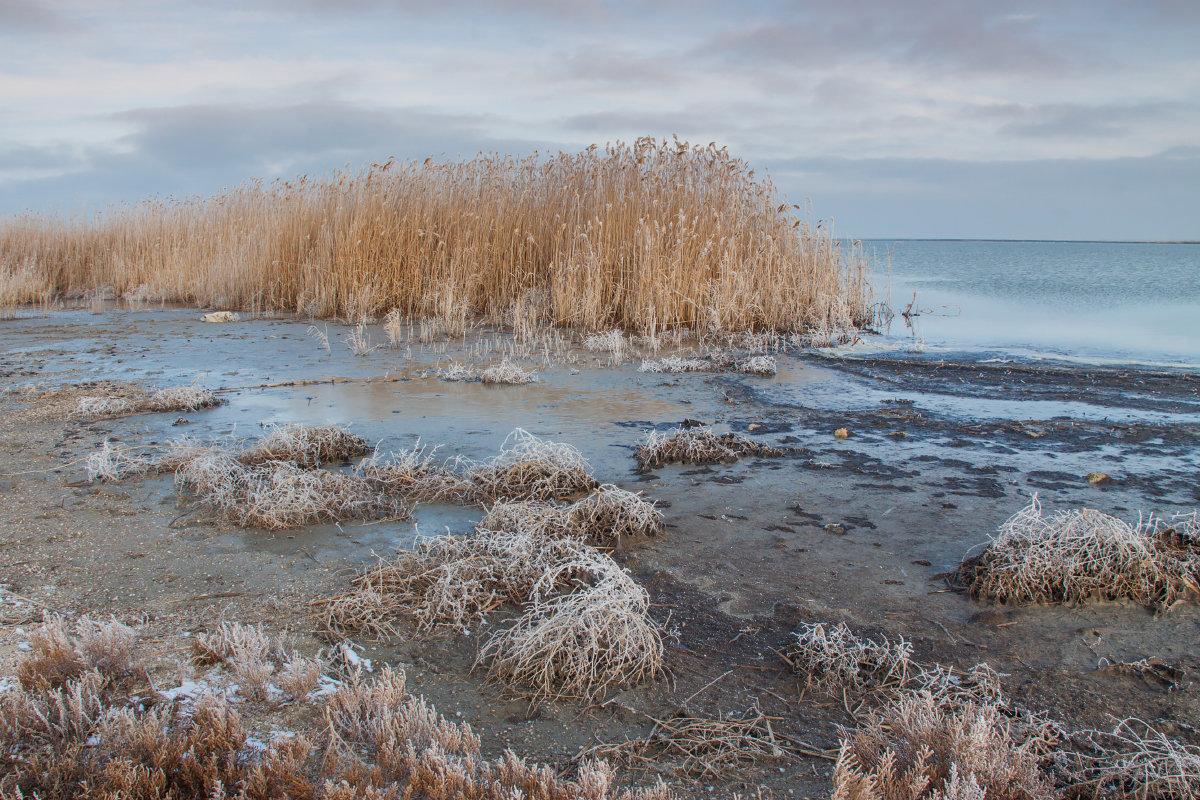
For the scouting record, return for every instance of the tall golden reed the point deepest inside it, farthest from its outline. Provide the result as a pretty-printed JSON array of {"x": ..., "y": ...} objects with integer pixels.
[{"x": 653, "y": 235}]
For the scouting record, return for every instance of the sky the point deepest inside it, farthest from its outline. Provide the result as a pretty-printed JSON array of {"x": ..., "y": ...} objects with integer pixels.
[{"x": 923, "y": 118}]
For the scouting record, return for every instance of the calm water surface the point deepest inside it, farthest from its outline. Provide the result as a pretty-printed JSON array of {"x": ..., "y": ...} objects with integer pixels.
[{"x": 1090, "y": 301}]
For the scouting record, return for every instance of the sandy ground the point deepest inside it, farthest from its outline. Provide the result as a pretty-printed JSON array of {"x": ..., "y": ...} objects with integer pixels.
[{"x": 855, "y": 530}]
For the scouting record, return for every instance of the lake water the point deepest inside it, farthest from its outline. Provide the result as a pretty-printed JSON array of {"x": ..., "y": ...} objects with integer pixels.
[{"x": 1102, "y": 302}]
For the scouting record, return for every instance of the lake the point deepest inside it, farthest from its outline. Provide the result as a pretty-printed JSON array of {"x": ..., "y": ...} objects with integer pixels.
[{"x": 1106, "y": 302}]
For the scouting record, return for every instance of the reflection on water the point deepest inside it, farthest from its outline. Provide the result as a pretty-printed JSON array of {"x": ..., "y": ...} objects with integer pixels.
[{"x": 1097, "y": 301}]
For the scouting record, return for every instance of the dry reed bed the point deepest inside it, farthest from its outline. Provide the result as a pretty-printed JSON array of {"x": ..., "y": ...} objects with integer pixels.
[
  {"x": 646, "y": 237},
  {"x": 698, "y": 445},
  {"x": 78, "y": 726},
  {"x": 1077, "y": 555}
]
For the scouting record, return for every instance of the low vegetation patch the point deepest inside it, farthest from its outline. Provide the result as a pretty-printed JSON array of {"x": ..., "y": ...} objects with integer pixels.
[
  {"x": 530, "y": 468},
  {"x": 586, "y": 626},
  {"x": 677, "y": 364},
  {"x": 508, "y": 373},
  {"x": 834, "y": 658},
  {"x": 1077, "y": 555},
  {"x": 306, "y": 446},
  {"x": 702, "y": 747},
  {"x": 698, "y": 446},
  {"x": 78, "y": 726},
  {"x": 1133, "y": 760},
  {"x": 279, "y": 494},
  {"x": 177, "y": 398},
  {"x": 604, "y": 517},
  {"x": 580, "y": 644},
  {"x": 914, "y": 748}
]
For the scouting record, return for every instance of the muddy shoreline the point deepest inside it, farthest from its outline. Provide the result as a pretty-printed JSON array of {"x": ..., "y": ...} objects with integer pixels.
[{"x": 855, "y": 529}]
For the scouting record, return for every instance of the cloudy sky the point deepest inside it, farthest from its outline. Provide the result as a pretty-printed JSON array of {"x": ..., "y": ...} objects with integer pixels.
[{"x": 923, "y": 118}]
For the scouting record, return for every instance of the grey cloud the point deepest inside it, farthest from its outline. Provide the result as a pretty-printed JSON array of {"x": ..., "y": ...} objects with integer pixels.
[
  {"x": 202, "y": 149},
  {"x": 596, "y": 65},
  {"x": 933, "y": 34},
  {"x": 554, "y": 10},
  {"x": 30, "y": 16},
  {"x": 1073, "y": 120},
  {"x": 617, "y": 123}
]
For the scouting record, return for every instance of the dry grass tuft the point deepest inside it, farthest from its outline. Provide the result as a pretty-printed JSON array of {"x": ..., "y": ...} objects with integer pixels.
[
  {"x": 458, "y": 373},
  {"x": 413, "y": 475},
  {"x": 612, "y": 342},
  {"x": 531, "y": 468},
  {"x": 583, "y": 643},
  {"x": 707, "y": 748},
  {"x": 1077, "y": 555},
  {"x": 643, "y": 237},
  {"x": 60, "y": 655},
  {"x": 359, "y": 341},
  {"x": 306, "y": 446},
  {"x": 176, "y": 398},
  {"x": 114, "y": 464},
  {"x": 835, "y": 658},
  {"x": 526, "y": 468},
  {"x": 576, "y": 644},
  {"x": 764, "y": 366},
  {"x": 105, "y": 407},
  {"x": 676, "y": 364},
  {"x": 453, "y": 580},
  {"x": 182, "y": 398},
  {"x": 278, "y": 494},
  {"x": 507, "y": 373},
  {"x": 1133, "y": 760},
  {"x": 914, "y": 749},
  {"x": 698, "y": 446},
  {"x": 604, "y": 517}
]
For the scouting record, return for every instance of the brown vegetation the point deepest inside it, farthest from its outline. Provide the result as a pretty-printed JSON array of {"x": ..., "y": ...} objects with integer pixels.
[
  {"x": 1077, "y": 555},
  {"x": 604, "y": 517},
  {"x": 914, "y": 748},
  {"x": 70, "y": 734},
  {"x": 642, "y": 237},
  {"x": 586, "y": 624},
  {"x": 709, "y": 748},
  {"x": 698, "y": 446}
]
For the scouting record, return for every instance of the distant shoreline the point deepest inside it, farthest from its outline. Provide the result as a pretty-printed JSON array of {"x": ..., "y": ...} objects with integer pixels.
[{"x": 1019, "y": 241}]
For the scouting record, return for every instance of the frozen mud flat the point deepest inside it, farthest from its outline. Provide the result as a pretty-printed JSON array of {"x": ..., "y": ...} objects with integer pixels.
[{"x": 853, "y": 529}]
